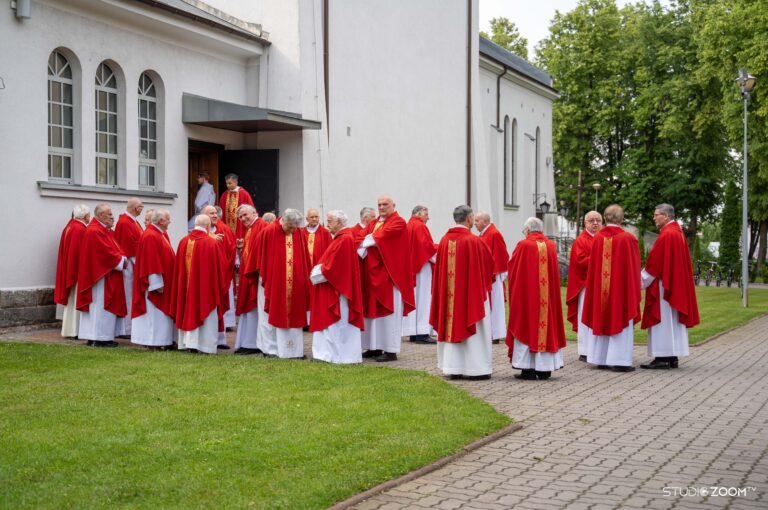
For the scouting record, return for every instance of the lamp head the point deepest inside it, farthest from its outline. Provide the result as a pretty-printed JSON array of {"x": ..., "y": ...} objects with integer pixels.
[{"x": 746, "y": 81}]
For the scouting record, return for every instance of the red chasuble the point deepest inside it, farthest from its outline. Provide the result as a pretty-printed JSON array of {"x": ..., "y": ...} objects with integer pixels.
[
  {"x": 535, "y": 306},
  {"x": 229, "y": 202},
  {"x": 612, "y": 297},
  {"x": 356, "y": 230},
  {"x": 199, "y": 285},
  {"x": 247, "y": 288},
  {"x": 670, "y": 262},
  {"x": 387, "y": 265},
  {"x": 99, "y": 255},
  {"x": 577, "y": 275},
  {"x": 128, "y": 233},
  {"x": 316, "y": 242},
  {"x": 420, "y": 244},
  {"x": 461, "y": 284},
  {"x": 284, "y": 265},
  {"x": 341, "y": 269},
  {"x": 495, "y": 242},
  {"x": 69, "y": 255},
  {"x": 155, "y": 256}
]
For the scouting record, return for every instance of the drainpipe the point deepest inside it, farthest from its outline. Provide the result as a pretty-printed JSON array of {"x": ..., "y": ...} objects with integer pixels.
[
  {"x": 498, "y": 97},
  {"x": 469, "y": 103},
  {"x": 325, "y": 65}
]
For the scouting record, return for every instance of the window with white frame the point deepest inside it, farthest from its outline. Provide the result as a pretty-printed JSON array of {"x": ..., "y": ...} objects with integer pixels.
[
  {"x": 510, "y": 163},
  {"x": 106, "y": 126},
  {"x": 60, "y": 118},
  {"x": 537, "y": 168},
  {"x": 147, "y": 133}
]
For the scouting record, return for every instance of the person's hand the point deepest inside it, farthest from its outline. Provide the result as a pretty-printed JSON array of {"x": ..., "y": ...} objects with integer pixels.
[
  {"x": 240, "y": 243},
  {"x": 219, "y": 237}
]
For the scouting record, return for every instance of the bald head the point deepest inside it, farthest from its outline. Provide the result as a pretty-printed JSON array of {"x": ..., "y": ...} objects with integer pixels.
[
  {"x": 103, "y": 213},
  {"x": 593, "y": 222},
  {"x": 386, "y": 206},
  {"x": 134, "y": 206},
  {"x": 313, "y": 217},
  {"x": 203, "y": 221},
  {"x": 482, "y": 220},
  {"x": 211, "y": 212}
]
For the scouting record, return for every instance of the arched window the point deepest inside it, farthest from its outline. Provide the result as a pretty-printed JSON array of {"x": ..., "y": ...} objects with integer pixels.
[
  {"x": 147, "y": 133},
  {"x": 60, "y": 118},
  {"x": 538, "y": 161},
  {"x": 106, "y": 126}
]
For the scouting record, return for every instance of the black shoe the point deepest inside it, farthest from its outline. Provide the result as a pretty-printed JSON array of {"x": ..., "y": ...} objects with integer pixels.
[
  {"x": 496, "y": 341},
  {"x": 526, "y": 375},
  {"x": 623, "y": 369},
  {"x": 269, "y": 355},
  {"x": 108, "y": 343},
  {"x": 673, "y": 362},
  {"x": 583, "y": 357},
  {"x": 90, "y": 343},
  {"x": 453, "y": 377},
  {"x": 543, "y": 375},
  {"x": 372, "y": 353},
  {"x": 657, "y": 364},
  {"x": 422, "y": 339},
  {"x": 223, "y": 347},
  {"x": 245, "y": 351},
  {"x": 603, "y": 367},
  {"x": 386, "y": 357},
  {"x": 484, "y": 377}
]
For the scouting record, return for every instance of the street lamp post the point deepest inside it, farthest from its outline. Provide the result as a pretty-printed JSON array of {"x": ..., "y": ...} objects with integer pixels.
[
  {"x": 746, "y": 83},
  {"x": 596, "y": 186}
]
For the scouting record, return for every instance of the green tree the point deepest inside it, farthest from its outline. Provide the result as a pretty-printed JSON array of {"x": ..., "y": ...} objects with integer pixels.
[
  {"x": 505, "y": 34},
  {"x": 730, "y": 227}
]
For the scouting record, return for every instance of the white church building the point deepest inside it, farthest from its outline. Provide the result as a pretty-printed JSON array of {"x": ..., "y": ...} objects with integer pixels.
[{"x": 313, "y": 103}]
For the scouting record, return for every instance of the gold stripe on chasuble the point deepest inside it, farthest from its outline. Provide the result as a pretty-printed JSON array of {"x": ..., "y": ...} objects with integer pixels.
[
  {"x": 246, "y": 246},
  {"x": 543, "y": 297},
  {"x": 232, "y": 211},
  {"x": 605, "y": 274},
  {"x": 188, "y": 258},
  {"x": 288, "y": 273},
  {"x": 378, "y": 225},
  {"x": 311, "y": 246},
  {"x": 451, "y": 289}
]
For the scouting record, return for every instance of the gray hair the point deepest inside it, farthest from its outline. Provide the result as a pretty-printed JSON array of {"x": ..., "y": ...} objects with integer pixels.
[
  {"x": 100, "y": 208},
  {"x": 231, "y": 177},
  {"x": 418, "y": 209},
  {"x": 483, "y": 216},
  {"x": 293, "y": 216},
  {"x": 461, "y": 213},
  {"x": 666, "y": 209},
  {"x": 341, "y": 216},
  {"x": 219, "y": 212},
  {"x": 80, "y": 211},
  {"x": 366, "y": 210},
  {"x": 246, "y": 208},
  {"x": 533, "y": 224},
  {"x": 614, "y": 214},
  {"x": 201, "y": 220},
  {"x": 160, "y": 214}
]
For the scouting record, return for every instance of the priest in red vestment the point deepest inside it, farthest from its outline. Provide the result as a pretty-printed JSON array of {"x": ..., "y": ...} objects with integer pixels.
[
  {"x": 367, "y": 214},
  {"x": 65, "y": 291},
  {"x": 460, "y": 309},
  {"x": 670, "y": 294},
  {"x": 151, "y": 315},
  {"x": 246, "y": 341},
  {"x": 228, "y": 245},
  {"x": 316, "y": 237},
  {"x": 128, "y": 232},
  {"x": 284, "y": 269},
  {"x": 577, "y": 279},
  {"x": 100, "y": 292},
  {"x": 423, "y": 250},
  {"x": 199, "y": 288},
  {"x": 612, "y": 294},
  {"x": 336, "y": 297},
  {"x": 230, "y": 200},
  {"x": 535, "y": 333},
  {"x": 494, "y": 240},
  {"x": 387, "y": 281}
]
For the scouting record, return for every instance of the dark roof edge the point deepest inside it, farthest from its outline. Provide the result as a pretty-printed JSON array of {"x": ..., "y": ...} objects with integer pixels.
[
  {"x": 207, "y": 19},
  {"x": 513, "y": 62}
]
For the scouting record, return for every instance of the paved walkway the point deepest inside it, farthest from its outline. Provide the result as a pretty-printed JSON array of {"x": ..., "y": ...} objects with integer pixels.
[{"x": 601, "y": 440}]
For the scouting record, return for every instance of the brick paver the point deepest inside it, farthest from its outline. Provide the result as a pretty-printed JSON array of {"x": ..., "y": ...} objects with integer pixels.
[{"x": 594, "y": 439}]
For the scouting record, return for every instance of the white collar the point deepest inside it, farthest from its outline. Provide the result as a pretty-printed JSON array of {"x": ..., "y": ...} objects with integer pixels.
[
  {"x": 462, "y": 226},
  {"x": 100, "y": 223},
  {"x": 201, "y": 229},
  {"x": 81, "y": 221},
  {"x": 312, "y": 230},
  {"x": 237, "y": 188},
  {"x": 361, "y": 225},
  {"x": 486, "y": 228},
  {"x": 158, "y": 228}
]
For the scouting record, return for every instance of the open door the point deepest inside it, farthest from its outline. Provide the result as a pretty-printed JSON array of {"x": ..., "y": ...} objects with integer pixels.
[
  {"x": 203, "y": 157},
  {"x": 257, "y": 171}
]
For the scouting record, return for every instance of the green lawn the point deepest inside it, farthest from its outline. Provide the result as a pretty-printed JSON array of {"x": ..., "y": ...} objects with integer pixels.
[
  {"x": 93, "y": 428},
  {"x": 719, "y": 309}
]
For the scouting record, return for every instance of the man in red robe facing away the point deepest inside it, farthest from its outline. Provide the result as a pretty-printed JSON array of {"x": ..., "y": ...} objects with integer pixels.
[
  {"x": 336, "y": 297},
  {"x": 670, "y": 294},
  {"x": 460, "y": 309},
  {"x": 423, "y": 250},
  {"x": 65, "y": 291},
  {"x": 247, "y": 288},
  {"x": 612, "y": 295},
  {"x": 199, "y": 289},
  {"x": 228, "y": 245},
  {"x": 493, "y": 239},
  {"x": 151, "y": 314},
  {"x": 387, "y": 281},
  {"x": 577, "y": 280},
  {"x": 316, "y": 237},
  {"x": 367, "y": 214},
  {"x": 535, "y": 334},
  {"x": 128, "y": 232},
  {"x": 284, "y": 269},
  {"x": 100, "y": 292},
  {"x": 230, "y": 200}
]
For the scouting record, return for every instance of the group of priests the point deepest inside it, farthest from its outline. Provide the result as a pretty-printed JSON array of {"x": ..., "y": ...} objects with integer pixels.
[{"x": 359, "y": 289}]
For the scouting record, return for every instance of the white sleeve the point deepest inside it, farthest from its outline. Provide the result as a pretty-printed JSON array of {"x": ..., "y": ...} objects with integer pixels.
[
  {"x": 362, "y": 252},
  {"x": 646, "y": 279},
  {"x": 120, "y": 265},
  {"x": 317, "y": 276},
  {"x": 503, "y": 276},
  {"x": 155, "y": 282},
  {"x": 433, "y": 259},
  {"x": 368, "y": 241}
]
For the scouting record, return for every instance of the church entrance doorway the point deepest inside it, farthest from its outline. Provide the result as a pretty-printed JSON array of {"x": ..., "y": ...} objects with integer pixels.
[
  {"x": 203, "y": 157},
  {"x": 258, "y": 174}
]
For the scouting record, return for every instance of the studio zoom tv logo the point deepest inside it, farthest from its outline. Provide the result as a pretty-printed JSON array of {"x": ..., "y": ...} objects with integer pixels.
[{"x": 707, "y": 491}]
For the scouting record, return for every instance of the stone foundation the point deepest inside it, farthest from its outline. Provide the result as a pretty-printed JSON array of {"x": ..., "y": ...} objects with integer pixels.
[{"x": 21, "y": 307}]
